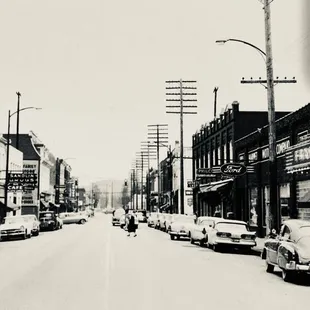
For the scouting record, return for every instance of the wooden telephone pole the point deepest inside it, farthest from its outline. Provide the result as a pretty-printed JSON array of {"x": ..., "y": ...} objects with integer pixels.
[
  {"x": 181, "y": 98},
  {"x": 274, "y": 216}
]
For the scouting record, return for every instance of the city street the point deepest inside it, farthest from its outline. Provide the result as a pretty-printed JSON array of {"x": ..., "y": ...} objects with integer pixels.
[{"x": 96, "y": 266}]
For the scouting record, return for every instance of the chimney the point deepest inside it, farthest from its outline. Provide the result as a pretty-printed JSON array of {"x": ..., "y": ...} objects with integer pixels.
[{"x": 235, "y": 106}]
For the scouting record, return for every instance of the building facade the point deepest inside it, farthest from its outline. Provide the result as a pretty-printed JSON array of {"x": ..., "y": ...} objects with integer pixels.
[
  {"x": 293, "y": 177},
  {"x": 176, "y": 179},
  {"x": 15, "y": 165},
  {"x": 214, "y": 146}
]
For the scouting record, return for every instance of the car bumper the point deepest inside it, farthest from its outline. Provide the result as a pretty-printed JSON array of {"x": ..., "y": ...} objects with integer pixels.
[
  {"x": 239, "y": 243},
  {"x": 297, "y": 267},
  {"x": 12, "y": 234},
  {"x": 179, "y": 233}
]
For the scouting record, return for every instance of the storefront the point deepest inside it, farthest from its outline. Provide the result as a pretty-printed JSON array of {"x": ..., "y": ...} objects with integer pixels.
[{"x": 298, "y": 165}]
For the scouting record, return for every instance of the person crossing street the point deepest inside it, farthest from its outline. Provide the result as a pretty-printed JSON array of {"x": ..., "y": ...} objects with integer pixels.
[{"x": 132, "y": 224}]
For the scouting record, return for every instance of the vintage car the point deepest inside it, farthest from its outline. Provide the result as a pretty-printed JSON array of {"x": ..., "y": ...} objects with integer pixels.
[
  {"x": 122, "y": 221},
  {"x": 15, "y": 226},
  {"x": 168, "y": 219},
  {"x": 117, "y": 216},
  {"x": 49, "y": 220},
  {"x": 160, "y": 216},
  {"x": 199, "y": 231},
  {"x": 35, "y": 231},
  {"x": 141, "y": 217},
  {"x": 152, "y": 219},
  {"x": 230, "y": 233},
  {"x": 181, "y": 226},
  {"x": 73, "y": 217},
  {"x": 290, "y": 250}
]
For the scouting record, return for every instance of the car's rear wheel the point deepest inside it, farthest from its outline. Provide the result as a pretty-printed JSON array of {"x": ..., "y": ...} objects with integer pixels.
[
  {"x": 202, "y": 243},
  {"x": 288, "y": 275},
  {"x": 172, "y": 237},
  {"x": 82, "y": 221},
  {"x": 269, "y": 268}
]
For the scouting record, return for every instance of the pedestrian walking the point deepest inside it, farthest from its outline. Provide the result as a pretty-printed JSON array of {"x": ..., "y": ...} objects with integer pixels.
[{"x": 132, "y": 224}]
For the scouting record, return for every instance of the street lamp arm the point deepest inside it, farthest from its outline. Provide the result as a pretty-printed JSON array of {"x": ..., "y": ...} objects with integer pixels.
[
  {"x": 243, "y": 42},
  {"x": 23, "y": 109}
]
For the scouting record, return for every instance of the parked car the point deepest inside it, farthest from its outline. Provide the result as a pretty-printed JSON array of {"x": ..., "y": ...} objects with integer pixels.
[
  {"x": 230, "y": 233},
  {"x": 122, "y": 221},
  {"x": 157, "y": 221},
  {"x": 141, "y": 217},
  {"x": 49, "y": 220},
  {"x": 152, "y": 219},
  {"x": 73, "y": 217},
  {"x": 15, "y": 226},
  {"x": 199, "y": 231},
  {"x": 90, "y": 212},
  {"x": 35, "y": 231},
  {"x": 181, "y": 227},
  {"x": 290, "y": 250},
  {"x": 167, "y": 222},
  {"x": 117, "y": 216}
]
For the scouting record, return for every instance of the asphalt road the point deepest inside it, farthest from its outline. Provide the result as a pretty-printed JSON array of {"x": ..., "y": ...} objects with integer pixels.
[{"x": 96, "y": 266}]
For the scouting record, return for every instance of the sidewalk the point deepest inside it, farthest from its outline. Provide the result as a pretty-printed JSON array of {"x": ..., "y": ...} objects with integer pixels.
[{"x": 260, "y": 245}]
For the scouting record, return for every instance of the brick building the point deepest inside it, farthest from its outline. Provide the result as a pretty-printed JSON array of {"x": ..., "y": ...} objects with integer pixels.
[
  {"x": 213, "y": 146},
  {"x": 293, "y": 163}
]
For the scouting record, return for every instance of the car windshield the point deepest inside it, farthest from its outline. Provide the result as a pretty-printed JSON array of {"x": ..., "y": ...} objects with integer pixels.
[
  {"x": 231, "y": 227},
  {"x": 14, "y": 220},
  {"x": 206, "y": 222}
]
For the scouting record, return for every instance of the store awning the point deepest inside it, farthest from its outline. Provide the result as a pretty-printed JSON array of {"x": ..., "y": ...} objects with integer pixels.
[
  {"x": 214, "y": 186},
  {"x": 11, "y": 205}
]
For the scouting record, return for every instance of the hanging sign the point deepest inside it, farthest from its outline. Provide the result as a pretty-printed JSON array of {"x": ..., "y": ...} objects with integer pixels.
[{"x": 233, "y": 169}]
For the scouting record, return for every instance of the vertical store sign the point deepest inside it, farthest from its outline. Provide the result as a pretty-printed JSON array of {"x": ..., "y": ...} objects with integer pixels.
[{"x": 30, "y": 197}]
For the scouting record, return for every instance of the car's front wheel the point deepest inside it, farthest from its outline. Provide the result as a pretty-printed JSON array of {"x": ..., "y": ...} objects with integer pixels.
[
  {"x": 82, "y": 221},
  {"x": 172, "y": 237},
  {"x": 269, "y": 268},
  {"x": 288, "y": 275}
]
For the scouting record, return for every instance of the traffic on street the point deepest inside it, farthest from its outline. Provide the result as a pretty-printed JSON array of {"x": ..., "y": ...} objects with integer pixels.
[{"x": 96, "y": 266}]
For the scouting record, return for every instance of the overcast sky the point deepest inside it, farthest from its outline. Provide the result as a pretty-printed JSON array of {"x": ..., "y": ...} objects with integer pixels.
[{"x": 98, "y": 69}]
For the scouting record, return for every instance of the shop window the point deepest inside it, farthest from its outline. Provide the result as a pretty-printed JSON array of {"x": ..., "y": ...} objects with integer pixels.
[
  {"x": 285, "y": 201},
  {"x": 303, "y": 199},
  {"x": 219, "y": 160},
  {"x": 225, "y": 153},
  {"x": 253, "y": 206},
  {"x": 209, "y": 160}
]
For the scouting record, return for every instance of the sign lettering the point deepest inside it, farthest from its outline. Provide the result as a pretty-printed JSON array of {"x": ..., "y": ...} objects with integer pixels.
[{"x": 233, "y": 169}]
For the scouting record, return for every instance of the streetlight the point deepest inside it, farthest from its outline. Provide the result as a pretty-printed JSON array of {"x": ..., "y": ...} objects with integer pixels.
[
  {"x": 8, "y": 150},
  {"x": 273, "y": 188},
  {"x": 262, "y": 53}
]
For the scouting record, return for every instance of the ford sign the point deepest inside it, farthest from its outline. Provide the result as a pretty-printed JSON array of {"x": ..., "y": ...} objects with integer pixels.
[{"x": 233, "y": 169}]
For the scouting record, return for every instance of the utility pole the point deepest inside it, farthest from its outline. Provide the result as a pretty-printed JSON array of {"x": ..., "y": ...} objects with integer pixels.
[
  {"x": 17, "y": 121},
  {"x": 112, "y": 195},
  {"x": 215, "y": 100},
  {"x": 149, "y": 154},
  {"x": 181, "y": 99},
  {"x": 158, "y": 134},
  {"x": 274, "y": 216}
]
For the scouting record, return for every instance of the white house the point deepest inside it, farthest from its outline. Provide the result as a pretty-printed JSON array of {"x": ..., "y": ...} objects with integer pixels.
[{"x": 188, "y": 196}]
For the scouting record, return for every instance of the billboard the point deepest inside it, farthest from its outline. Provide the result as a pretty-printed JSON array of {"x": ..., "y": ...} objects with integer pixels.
[{"x": 30, "y": 196}]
